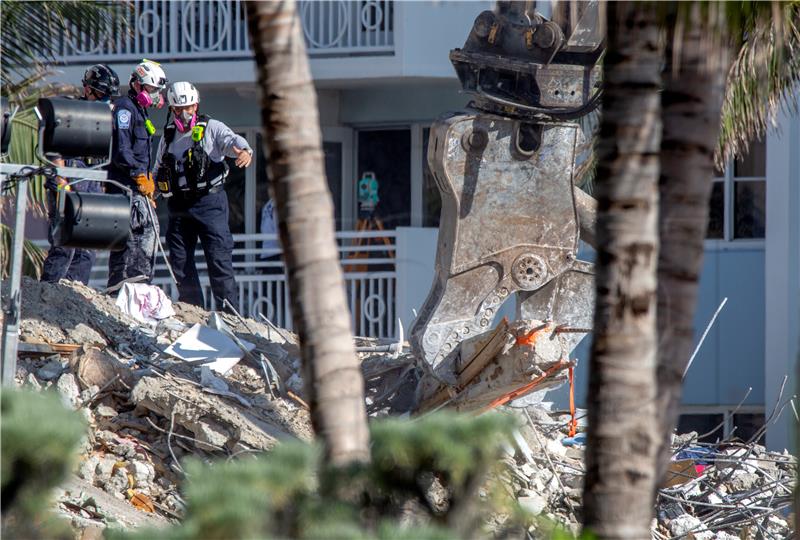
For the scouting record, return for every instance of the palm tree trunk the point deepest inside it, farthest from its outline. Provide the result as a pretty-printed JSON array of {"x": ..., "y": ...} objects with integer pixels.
[
  {"x": 305, "y": 212},
  {"x": 622, "y": 437},
  {"x": 694, "y": 84}
]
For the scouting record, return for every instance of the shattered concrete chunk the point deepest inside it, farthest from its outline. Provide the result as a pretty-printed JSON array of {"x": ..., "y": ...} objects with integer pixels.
[
  {"x": 105, "y": 411},
  {"x": 743, "y": 482},
  {"x": 572, "y": 480},
  {"x": 89, "y": 393},
  {"x": 32, "y": 382},
  {"x": 118, "y": 481},
  {"x": 88, "y": 468},
  {"x": 51, "y": 369},
  {"x": 69, "y": 390},
  {"x": 685, "y": 524},
  {"x": 533, "y": 504},
  {"x": 142, "y": 471},
  {"x": 105, "y": 468},
  {"x": 210, "y": 435},
  {"x": 84, "y": 334}
]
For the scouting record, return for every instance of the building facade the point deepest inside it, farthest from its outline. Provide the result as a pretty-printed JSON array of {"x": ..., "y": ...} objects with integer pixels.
[{"x": 382, "y": 73}]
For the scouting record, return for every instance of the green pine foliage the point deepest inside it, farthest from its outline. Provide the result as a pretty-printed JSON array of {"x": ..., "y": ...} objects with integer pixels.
[
  {"x": 289, "y": 493},
  {"x": 434, "y": 477},
  {"x": 40, "y": 440}
]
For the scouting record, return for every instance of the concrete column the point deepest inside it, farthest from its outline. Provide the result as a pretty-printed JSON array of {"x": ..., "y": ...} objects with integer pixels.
[{"x": 782, "y": 277}]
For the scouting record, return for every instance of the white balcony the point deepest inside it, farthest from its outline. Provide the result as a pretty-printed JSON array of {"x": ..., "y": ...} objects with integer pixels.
[{"x": 217, "y": 29}]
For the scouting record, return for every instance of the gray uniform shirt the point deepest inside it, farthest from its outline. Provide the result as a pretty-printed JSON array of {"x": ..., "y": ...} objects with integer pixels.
[{"x": 218, "y": 143}]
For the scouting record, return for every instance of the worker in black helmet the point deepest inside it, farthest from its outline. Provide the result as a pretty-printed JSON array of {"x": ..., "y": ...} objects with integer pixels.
[{"x": 100, "y": 83}]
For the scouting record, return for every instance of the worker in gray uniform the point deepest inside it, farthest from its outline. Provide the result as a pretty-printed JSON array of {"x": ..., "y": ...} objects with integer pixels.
[{"x": 190, "y": 174}]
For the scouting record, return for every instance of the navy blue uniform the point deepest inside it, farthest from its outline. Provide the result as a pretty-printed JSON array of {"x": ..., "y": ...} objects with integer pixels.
[
  {"x": 67, "y": 263},
  {"x": 204, "y": 217},
  {"x": 130, "y": 156},
  {"x": 130, "y": 144}
]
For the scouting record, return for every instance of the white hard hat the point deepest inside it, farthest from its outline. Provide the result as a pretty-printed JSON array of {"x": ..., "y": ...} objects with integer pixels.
[
  {"x": 150, "y": 73},
  {"x": 181, "y": 94}
]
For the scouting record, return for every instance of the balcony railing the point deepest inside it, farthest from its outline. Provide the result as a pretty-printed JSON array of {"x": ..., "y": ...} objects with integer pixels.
[
  {"x": 370, "y": 275},
  {"x": 209, "y": 29}
]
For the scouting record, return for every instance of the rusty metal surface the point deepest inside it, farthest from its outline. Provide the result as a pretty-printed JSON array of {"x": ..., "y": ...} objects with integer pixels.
[{"x": 509, "y": 222}]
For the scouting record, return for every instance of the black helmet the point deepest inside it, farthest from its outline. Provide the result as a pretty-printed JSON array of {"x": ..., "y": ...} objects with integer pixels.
[{"x": 102, "y": 79}]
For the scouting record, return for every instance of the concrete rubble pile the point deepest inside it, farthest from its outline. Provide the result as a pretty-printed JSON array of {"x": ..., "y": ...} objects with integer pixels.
[
  {"x": 149, "y": 410},
  {"x": 722, "y": 491}
]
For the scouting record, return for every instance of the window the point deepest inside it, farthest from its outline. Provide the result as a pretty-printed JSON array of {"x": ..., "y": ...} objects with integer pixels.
[
  {"x": 717, "y": 423},
  {"x": 702, "y": 424},
  {"x": 737, "y": 208},
  {"x": 333, "y": 154}
]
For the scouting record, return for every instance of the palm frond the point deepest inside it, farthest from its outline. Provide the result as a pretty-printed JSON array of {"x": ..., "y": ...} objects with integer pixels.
[
  {"x": 32, "y": 256},
  {"x": 24, "y": 137},
  {"x": 35, "y": 32},
  {"x": 763, "y": 78}
]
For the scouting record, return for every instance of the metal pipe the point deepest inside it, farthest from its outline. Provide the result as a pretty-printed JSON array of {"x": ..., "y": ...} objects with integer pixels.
[{"x": 12, "y": 309}]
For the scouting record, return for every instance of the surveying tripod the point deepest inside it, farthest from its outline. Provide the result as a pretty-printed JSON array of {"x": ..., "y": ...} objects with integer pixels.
[{"x": 366, "y": 223}]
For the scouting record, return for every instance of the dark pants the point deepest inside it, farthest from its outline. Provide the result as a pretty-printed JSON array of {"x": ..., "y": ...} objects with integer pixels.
[
  {"x": 139, "y": 256},
  {"x": 68, "y": 263},
  {"x": 65, "y": 263},
  {"x": 204, "y": 217}
]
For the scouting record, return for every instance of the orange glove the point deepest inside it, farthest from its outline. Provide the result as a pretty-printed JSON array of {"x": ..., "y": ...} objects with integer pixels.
[{"x": 145, "y": 184}]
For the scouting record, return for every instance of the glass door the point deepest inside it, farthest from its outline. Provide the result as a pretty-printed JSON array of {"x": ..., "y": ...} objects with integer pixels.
[{"x": 337, "y": 145}]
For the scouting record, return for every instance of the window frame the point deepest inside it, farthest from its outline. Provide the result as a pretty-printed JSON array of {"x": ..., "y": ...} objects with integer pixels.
[
  {"x": 728, "y": 181},
  {"x": 727, "y": 413}
]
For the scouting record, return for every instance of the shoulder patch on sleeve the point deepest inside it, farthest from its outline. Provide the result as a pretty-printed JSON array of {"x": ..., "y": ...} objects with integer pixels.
[{"x": 123, "y": 119}]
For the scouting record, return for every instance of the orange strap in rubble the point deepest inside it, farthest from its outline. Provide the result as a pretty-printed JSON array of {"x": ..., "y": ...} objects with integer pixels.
[
  {"x": 530, "y": 337},
  {"x": 521, "y": 391},
  {"x": 573, "y": 424}
]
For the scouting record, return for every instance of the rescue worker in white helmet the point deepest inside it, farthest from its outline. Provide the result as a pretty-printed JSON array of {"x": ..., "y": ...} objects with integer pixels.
[
  {"x": 131, "y": 164},
  {"x": 190, "y": 173}
]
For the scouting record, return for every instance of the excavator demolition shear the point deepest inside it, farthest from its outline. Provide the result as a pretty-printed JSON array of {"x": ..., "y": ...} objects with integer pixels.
[{"x": 507, "y": 168}]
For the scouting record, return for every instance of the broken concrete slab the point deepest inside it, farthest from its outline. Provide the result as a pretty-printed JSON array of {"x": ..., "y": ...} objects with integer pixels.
[
  {"x": 257, "y": 428},
  {"x": 112, "y": 511},
  {"x": 69, "y": 390}
]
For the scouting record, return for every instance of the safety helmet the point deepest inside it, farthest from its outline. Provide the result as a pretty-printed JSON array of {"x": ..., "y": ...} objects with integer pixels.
[
  {"x": 150, "y": 73},
  {"x": 181, "y": 94},
  {"x": 102, "y": 79}
]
